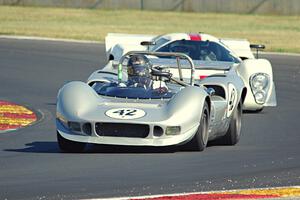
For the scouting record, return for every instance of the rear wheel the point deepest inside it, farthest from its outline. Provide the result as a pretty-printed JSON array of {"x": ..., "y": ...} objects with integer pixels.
[
  {"x": 233, "y": 133},
  {"x": 70, "y": 146},
  {"x": 200, "y": 139}
]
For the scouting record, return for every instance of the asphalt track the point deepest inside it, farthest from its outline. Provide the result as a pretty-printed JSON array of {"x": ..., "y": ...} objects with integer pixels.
[{"x": 32, "y": 167}]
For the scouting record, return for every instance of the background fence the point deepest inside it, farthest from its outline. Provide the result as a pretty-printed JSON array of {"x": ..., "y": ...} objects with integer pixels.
[{"x": 282, "y": 7}]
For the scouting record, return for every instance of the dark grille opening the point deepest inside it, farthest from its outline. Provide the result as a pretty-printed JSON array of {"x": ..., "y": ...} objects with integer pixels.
[
  {"x": 158, "y": 131},
  {"x": 122, "y": 130},
  {"x": 87, "y": 128}
]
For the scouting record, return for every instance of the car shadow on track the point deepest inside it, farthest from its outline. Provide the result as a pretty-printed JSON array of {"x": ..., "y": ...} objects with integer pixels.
[
  {"x": 38, "y": 147},
  {"x": 52, "y": 147},
  {"x": 129, "y": 149}
]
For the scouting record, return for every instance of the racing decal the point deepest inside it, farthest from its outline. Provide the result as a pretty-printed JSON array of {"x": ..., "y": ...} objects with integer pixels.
[
  {"x": 232, "y": 98},
  {"x": 195, "y": 37},
  {"x": 125, "y": 113}
]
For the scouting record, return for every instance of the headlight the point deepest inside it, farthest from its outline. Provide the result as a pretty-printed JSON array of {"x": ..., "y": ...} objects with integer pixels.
[
  {"x": 62, "y": 120},
  {"x": 259, "y": 85},
  {"x": 259, "y": 81},
  {"x": 259, "y": 97},
  {"x": 173, "y": 130},
  {"x": 74, "y": 126}
]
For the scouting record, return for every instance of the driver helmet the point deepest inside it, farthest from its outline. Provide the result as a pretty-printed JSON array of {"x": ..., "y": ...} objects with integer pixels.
[
  {"x": 204, "y": 54},
  {"x": 139, "y": 65}
]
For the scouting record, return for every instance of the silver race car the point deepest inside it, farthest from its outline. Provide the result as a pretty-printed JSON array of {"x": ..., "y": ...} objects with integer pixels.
[
  {"x": 256, "y": 73},
  {"x": 153, "y": 99}
]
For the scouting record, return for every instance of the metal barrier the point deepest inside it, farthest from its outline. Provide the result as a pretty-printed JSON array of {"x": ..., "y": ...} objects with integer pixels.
[{"x": 283, "y": 7}]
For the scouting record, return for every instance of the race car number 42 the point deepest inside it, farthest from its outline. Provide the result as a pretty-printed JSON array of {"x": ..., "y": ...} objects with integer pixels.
[{"x": 125, "y": 113}]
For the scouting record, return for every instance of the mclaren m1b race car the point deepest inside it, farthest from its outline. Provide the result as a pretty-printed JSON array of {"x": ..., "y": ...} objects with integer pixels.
[
  {"x": 256, "y": 73},
  {"x": 153, "y": 99}
]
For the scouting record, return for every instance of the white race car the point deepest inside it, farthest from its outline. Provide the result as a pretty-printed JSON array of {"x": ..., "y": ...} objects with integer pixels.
[
  {"x": 137, "y": 102},
  {"x": 256, "y": 73}
]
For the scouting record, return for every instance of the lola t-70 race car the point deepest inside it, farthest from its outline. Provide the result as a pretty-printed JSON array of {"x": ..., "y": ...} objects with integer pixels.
[
  {"x": 152, "y": 99},
  {"x": 256, "y": 73}
]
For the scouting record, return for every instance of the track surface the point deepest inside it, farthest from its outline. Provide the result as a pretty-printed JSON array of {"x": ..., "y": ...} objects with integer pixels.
[{"x": 31, "y": 166}]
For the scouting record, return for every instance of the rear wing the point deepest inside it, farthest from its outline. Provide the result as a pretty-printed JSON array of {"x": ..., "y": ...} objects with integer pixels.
[{"x": 257, "y": 47}]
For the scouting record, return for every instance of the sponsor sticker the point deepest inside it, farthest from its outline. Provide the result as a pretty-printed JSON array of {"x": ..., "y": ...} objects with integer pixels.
[{"x": 125, "y": 113}]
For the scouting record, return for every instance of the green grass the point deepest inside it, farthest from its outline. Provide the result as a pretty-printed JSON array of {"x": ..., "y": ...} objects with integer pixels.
[{"x": 279, "y": 33}]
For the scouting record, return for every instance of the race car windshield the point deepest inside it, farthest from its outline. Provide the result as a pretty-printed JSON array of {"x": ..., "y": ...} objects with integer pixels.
[
  {"x": 132, "y": 92},
  {"x": 158, "y": 42},
  {"x": 200, "y": 50}
]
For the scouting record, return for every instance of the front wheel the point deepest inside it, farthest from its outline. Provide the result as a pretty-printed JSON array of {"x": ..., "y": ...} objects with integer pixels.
[
  {"x": 200, "y": 139},
  {"x": 69, "y": 146},
  {"x": 233, "y": 133}
]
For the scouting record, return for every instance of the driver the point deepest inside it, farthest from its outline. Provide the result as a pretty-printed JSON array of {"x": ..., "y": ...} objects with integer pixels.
[
  {"x": 139, "y": 75},
  {"x": 138, "y": 70},
  {"x": 207, "y": 55}
]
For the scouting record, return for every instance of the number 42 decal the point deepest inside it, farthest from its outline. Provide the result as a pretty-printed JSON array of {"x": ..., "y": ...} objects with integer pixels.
[{"x": 125, "y": 113}]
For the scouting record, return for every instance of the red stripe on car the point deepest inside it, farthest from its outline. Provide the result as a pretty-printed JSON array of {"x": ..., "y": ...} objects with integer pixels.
[
  {"x": 202, "y": 76},
  {"x": 195, "y": 37}
]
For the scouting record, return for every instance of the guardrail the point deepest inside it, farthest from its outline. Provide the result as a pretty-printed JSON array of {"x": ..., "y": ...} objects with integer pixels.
[{"x": 282, "y": 7}]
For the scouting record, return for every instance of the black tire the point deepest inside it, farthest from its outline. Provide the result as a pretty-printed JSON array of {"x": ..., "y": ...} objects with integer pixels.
[
  {"x": 259, "y": 110},
  {"x": 111, "y": 57},
  {"x": 233, "y": 133},
  {"x": 70, "y": 146},
  {"x": 200, "y": 139},
  {"x": 254, "y": 111}
]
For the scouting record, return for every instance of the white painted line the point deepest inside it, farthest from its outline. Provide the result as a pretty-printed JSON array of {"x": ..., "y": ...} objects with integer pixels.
[
  {"x": 190, "y": 193},
  {"x": 7, "y": 130},
  {"x": 278, "y": 53},
  {"x": 49, "y": 39}
]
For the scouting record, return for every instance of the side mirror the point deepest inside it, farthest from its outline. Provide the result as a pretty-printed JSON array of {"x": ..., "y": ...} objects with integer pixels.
[
  {"x": 257, "y": 47},
  {"x": 147, "y": 43}
]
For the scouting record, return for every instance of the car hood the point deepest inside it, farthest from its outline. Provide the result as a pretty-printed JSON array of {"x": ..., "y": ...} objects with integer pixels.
[{"x": 110, "y": 109}]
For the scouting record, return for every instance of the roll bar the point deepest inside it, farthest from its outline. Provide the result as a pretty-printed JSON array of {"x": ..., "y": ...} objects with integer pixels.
[{"x": 178, "y": 56}]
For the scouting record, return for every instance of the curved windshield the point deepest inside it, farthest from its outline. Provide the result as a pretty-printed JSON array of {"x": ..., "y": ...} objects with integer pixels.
[
  {"x": 122, "y": 90},
  {"x": 158, "y": 42},
  {"x": 200, "y": 50}
]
